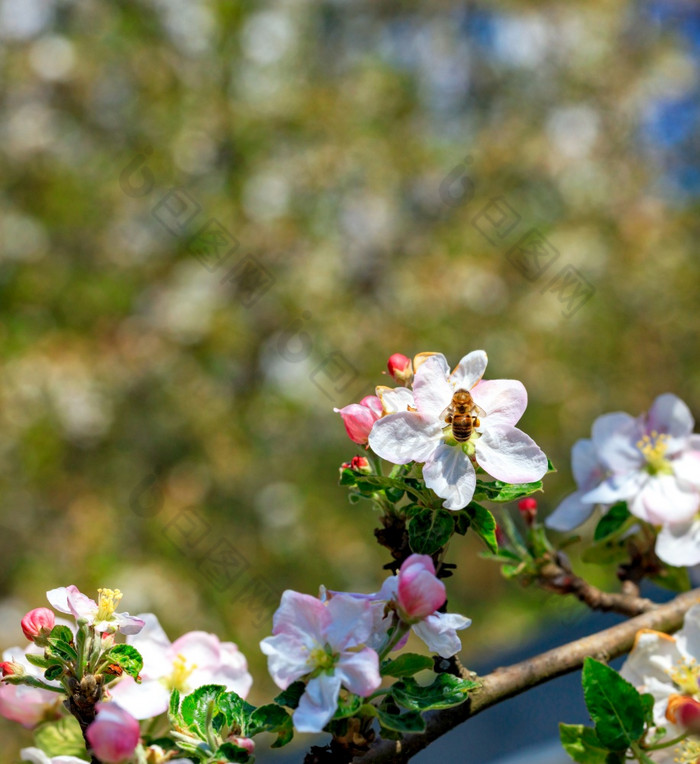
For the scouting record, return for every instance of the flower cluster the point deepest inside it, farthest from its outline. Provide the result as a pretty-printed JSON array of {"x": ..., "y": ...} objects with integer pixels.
[
  {"x": 451, "y": 422},
  {"x": 338, "y": 640},
  {"x": 651, "y": 462}
]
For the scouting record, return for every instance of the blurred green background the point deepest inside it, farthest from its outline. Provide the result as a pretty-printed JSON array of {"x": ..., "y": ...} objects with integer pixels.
[{"x": 352, "y": 151}]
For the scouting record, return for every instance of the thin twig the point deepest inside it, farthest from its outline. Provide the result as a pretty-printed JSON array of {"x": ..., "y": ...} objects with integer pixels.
[{"x": 507, "y": 682}]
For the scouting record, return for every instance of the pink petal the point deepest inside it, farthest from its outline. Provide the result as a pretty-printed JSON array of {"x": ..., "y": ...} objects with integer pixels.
[
  {"x": 358, "y": 421},
  {"x": 359, "y": 671},
  {"x": 350, "y": 621},
  {"x": 439, "y": 632},
  {"x": 665, "y": 500},
  {"x": 510, "y": 455},
  {"x": 503, "y": 401},
  {"x": 670, "y": 415},
  {"x": 317, "y": 704},
  {"x": 420, "y": 592},
  {"x": 373, "y": 403},
  {"x": 615, "y": 437},
  {"x": 571, "y": 513},
  {"x": 233, "y": 670},
  {"x": 302, "y": 616},
  {"x": 469, "y": 370},
  {"x": 288, "y": 659},
  {"x": 431, "y": 389},
  {"x": 198, "y": 647},
  {"x": 405, "y": 437},
  {"x": 79, "y": 604},
  {"x": 451, "y": 475}
]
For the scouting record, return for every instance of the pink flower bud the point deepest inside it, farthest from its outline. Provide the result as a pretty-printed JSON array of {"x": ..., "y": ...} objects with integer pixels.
[
  {"x": 420, "y": 593},
  {"x": 38, "y": 623},
  {"x": 400, "y": 368},
  {"x": 358, "y": 464},
  {"x": 114, "y": 734},
  {"x": 358, "y": 418},
  {"x": 684, "y": 711},
  {"x": 243, "y": 742},
  {"x": 528, "y": 510}
]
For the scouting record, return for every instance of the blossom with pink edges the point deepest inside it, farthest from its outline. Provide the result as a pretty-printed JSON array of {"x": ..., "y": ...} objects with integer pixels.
[
  {"x": 196, "y": 658},
  {"x": 26, "y": 705},
  {"x": 101, "y": 615},
  {"x": 400, "y": 368},
  {"x": 421, "y": 434},
  {"x": 359, "y": 418},
  {"x": 38, "y": 623},
  {"x": 419, "y": 592},
  {"x": 322, "y": 641},
  {"x": 114, "y": 734}
]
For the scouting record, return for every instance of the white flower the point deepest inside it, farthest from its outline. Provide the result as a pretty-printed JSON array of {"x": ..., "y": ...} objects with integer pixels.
[
  {"x": 322, "y": 641},
  {"x": 196, "y": 658},
  {"x": 667, "y": 667},
  {"x": 37, "y": 756},
  {"x": 101, "y": 615},
  {"x": 422, "y": 433}
]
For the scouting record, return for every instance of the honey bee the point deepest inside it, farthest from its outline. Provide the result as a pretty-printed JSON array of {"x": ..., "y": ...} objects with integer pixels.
[{"x": 461, "y": 415}]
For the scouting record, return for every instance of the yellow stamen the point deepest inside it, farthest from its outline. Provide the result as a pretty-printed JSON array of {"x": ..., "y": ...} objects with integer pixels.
[
  {"x": 653, "y": 448},
  {"x": 686, "y": 677},
  {"x": 322, "y": 658},
  {"x": 107, "y": 602},
  {"x": 181, "y": 673},
  {"x": 689, "y": 753}
]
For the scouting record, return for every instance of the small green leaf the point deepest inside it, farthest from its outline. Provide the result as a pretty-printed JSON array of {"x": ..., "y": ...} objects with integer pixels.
[
  {"x": 61, "y": 650},
  {"x": 272, "y": 718},
  {"x": 196, "y": 707},
  {"x": 614, "y": 704},
  {"x": 462, "y": 523},
  {"x": 446, "y": 691},
  {"x": 291, "y": 696},
  {"x": 501, "y": 492},
  {"x": 484, "y": 525},
  {"x": 612, "y": 521},
  {"x": 606, "y": 551},
  {"x": 62, "y": 633},
  {"x": 128, "y": 657},
  {"x": 407, "y": 664},
  {"x": 53, "y": 672},
  {"x": 430, "y": 530},
  {"x": 233, "y": 753},
  {"x": 675, "y": 579},
  {"x": 407, "y": 722},
  {"x": 584, "y": 747},
  {"x": 61, "y": 738},
  {"x": 348, "y": 477},
  {"x": 394, "y": 495},
  {"x": 348, "y": 705},
  {"x": 236, "y": 711},
  {"x": 40, "y": 661},
  {"x": 174, "y": 705}
]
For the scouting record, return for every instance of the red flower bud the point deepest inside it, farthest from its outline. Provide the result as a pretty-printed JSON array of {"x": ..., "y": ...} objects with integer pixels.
[
  {"x": 38, "y": 622},
  {"x": 528, "y": 510},
  {"x": 358, "y": 464},
  {"x": 8, "y": 668},
  {"x": 359, "y": 418},
  {"x": 400, "y": 368},
  {"x": 243, "y": 742},
  {"x": 684, "y": 711}
]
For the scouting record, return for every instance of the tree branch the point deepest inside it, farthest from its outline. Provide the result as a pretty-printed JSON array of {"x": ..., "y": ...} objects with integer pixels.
[{"x": 507, "y": 682}]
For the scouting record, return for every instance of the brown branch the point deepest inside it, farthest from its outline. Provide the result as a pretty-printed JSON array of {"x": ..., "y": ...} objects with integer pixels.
[{"x": 507, "y": 682}]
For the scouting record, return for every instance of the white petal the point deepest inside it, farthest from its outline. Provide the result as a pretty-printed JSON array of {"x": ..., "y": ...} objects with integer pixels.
[
  {"x": 439, "y": 632},
  {"x": 153, "y": 644},
  {"x": 509, "y": 454},
  {"x": 571, "y": 513},
  {"x": 359, "y": 672},
  {"x": 687, "y": 467},
  {"x": 35, "y": 756},
  {"x": 688, "y": 638},
  {"x": 502, "y": 401},
  {"x": 664, "y": 499},
  {"x": 431, "y": 389},
  {"x": 302, "y": 616},
  {"x": 142, "y": 701},
  {"x": 587, "y": 469},
  {"x": 405, "y": 437},
  {"x": 421, "y": 358},
  {"x": 451, "y": 475},
  {"x": 679, "y": 544},
  {"x": 670, "y": 415},
  {"x": 395, "y": 399},
  {"x": 615, "y": 438},
  {"x": 469, "y": 370},
  {"x": 317, "y": 704},
  {"x": 288, "y": 659},
  {"x": 58, "y": 599},
  {"x": 351, "y": 621},
  {"x": 617, "y": 488}
]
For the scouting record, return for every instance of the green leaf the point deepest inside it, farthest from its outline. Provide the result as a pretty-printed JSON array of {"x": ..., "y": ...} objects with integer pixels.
[
  {"x": 272, "y": 718},
  {"x": 612, "y": 521},
  {"x": 606, "y": 552},
  {"x": 614, "y": 704},
  {"x": 348, "y": 477},
  {"x": 501, "y": 492},
  {"x": 462, "y": 523},
  {"x": 233, "y": 753},
  {"x": 128, "y": 657},
  {"x": 407, "y": 664},
  {"x": 394, "y": 495},
  {"x": 62, "y": 633},
  {"x": 235, "y": 710},
  {"x": 61, "y": 650},
  {"x": 430, "y": 530},
  {"x": 584, "y": 747},
  {"x": 174, "y": 705},
  {"x": 675, "y": 579},
  {"x": 407, "y": 722},
  {"x": 290, "y": 697},
  {"x": 648, "y": 706},
  {"x": 484, "y": 525},
  {"x": 348, "y": 705},
  {"x": 196, "y": 707},
  {"x": 61, "y": 738},
  {"x": 446, "y": 691},
  {"x": 40, "y": 661},
  {"x": 53, "y": 672}
]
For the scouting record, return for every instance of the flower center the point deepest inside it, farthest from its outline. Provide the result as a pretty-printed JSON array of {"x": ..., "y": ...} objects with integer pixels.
[
  {"x": 653, "y": 448},
  {"x": 686, "y": 676},
  {"x": 689, "y": 753},
  {"x": 107, "y": 602},
  {"x": 181, "y": 673},
  {"x": 323, "y": 659}
]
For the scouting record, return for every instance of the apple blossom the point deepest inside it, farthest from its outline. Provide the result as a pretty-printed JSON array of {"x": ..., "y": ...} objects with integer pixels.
[
  {"x": 358, "y": 418},
  {"x": 400, "y": 368},
  {"x": 419, "y": 592},
  {"x": 20, "y": 703},
  {"x": 246, "y": 743},
  {"x": 38, "y": 623},
  {"x": 37, "y": 756},
  {"x": 667, "y": 667},
  {"x": 100, "y": 615},
  {"x": 114, "y": 734},
  {"x": 196, "y": 658},
  {"x": 422, "y": 434},
  {"x": 358, "y": 464},
  {"x": 322, "y": 642}
]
